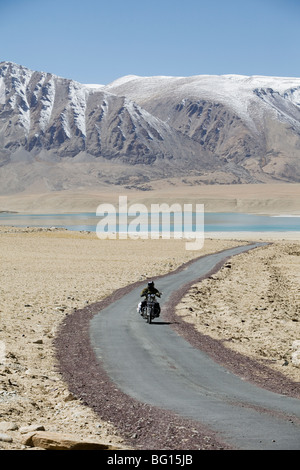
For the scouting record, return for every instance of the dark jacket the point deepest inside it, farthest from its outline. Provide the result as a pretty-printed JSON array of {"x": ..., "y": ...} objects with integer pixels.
[{"x": 150, "y": 290}]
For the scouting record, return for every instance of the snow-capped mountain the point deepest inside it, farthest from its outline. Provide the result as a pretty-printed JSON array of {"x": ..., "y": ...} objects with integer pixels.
[
  {"x": 40, "y": 111},
  {"x": 254, "y": 121},
  {"x": 63, "y": 134}
]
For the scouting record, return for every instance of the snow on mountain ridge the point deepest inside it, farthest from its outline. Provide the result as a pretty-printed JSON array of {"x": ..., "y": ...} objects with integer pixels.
[
  {"x": 221, "y": 128},
  {"x": 93, "y": 86},
  {"x": 47, "y": 101},
  {"x": 78, "y": 96},
  {"x": 67, "y": 117},
  {"x": 238, "y": 92},
  {"x": 20, "y": 78},
  {"x": 234, "y": 91}
]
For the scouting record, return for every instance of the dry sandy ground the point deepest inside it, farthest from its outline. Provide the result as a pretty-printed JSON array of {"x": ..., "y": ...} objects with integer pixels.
[
  {"x": 277, "y": 199},
  {"x": 44, "y": 276},
  {"x": 253, "y": 305}
]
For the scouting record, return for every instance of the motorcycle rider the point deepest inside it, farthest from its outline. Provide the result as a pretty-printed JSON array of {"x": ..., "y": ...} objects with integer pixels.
[{"x": 150, "y": 289}]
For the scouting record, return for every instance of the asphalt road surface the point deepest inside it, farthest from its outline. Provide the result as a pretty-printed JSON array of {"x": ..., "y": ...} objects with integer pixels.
[{"x": 155, "y": 365}]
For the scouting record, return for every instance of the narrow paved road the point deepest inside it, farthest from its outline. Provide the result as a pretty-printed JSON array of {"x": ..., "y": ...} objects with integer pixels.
[{"x": 154, "y": 365}]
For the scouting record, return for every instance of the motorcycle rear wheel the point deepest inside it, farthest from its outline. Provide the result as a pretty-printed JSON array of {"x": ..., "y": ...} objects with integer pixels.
[{"x": 149, "y": 316}]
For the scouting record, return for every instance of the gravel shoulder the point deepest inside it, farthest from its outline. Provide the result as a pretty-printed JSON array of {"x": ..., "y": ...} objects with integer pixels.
[{"x": 53, "y": 282}]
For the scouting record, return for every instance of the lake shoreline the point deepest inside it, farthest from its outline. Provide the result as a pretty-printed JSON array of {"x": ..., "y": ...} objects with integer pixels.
[{"x": 215, "y": 224}]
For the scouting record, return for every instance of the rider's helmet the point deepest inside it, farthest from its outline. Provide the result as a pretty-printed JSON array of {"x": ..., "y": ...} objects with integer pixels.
[{"x": 150, "y": 284}]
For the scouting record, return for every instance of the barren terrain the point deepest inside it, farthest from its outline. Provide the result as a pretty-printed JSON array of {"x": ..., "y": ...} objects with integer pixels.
[
  {"x": 45, "y": 275},
  {"x": 270, "y": 199},
  {"x": 251, "y": 305}
]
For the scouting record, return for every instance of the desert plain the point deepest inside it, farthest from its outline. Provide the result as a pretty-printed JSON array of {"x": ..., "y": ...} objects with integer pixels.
[{"x": 252, "y": 304}]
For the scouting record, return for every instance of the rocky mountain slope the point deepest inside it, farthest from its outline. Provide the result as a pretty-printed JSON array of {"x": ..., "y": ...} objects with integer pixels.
[
  {"x": 251, "y": 121},
  {"x": 56, "y": 133}
]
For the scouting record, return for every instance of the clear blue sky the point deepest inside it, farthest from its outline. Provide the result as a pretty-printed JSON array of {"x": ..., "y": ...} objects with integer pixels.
[{"x": 97, "y": 41}]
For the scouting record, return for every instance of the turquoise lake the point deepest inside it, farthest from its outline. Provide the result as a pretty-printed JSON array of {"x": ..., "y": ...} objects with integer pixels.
[{"x": 213, "y": 222}]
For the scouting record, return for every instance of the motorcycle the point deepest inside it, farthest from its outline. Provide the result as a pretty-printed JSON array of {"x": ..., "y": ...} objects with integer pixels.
[{"x": 149, "y": 311}]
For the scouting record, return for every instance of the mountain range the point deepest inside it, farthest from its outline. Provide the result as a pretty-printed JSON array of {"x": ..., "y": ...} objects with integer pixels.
[{"x": 56, "y": 133}]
